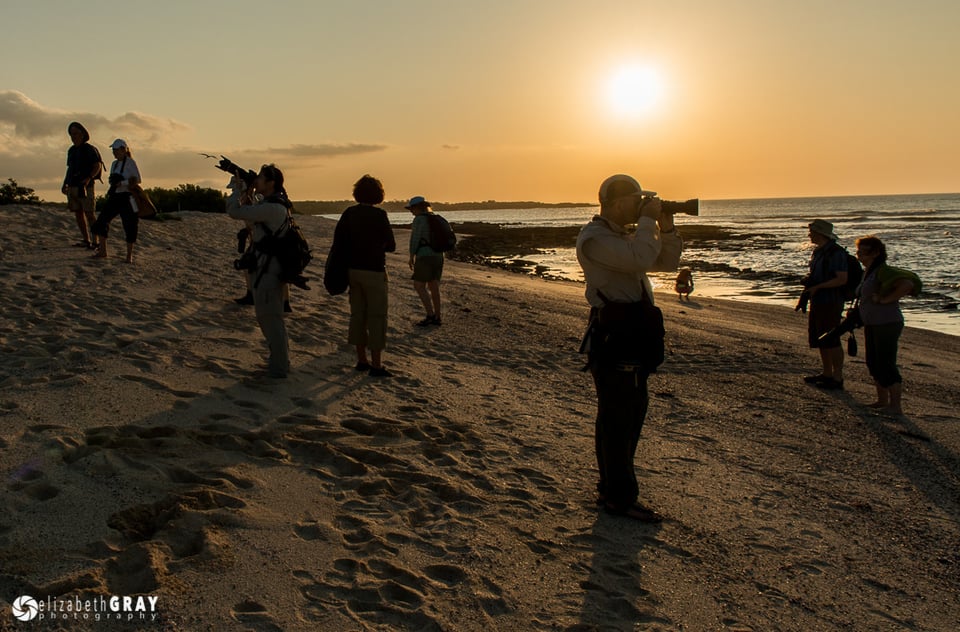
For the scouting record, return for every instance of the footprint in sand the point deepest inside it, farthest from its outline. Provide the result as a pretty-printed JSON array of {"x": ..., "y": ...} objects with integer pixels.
[
  {"x": 255, "y": 614},
  {"x": 41, "y": 491}
]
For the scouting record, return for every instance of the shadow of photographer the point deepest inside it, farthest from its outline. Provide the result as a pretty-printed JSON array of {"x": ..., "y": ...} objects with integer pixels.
[{"x": 613, "y": 593}]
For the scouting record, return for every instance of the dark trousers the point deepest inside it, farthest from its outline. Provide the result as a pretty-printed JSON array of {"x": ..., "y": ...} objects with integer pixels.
[
  {"x": 622, "y": 402},
  {"x": 118, "y": 204},
  {"x": 882, "y": 342}
]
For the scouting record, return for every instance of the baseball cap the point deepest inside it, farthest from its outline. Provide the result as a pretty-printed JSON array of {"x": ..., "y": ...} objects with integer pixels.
[
  {"x": 416, "y": 200},
  {"x": 621, "y": 185},
  {"x": 117, "y": 144}
]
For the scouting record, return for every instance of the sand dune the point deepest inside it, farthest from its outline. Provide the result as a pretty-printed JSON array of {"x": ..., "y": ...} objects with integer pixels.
[{"x": 145, "y": 453}]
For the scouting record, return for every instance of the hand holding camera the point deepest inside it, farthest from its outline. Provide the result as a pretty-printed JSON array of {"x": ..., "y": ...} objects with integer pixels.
[
  {"x": 650, "y": 207},
  {"x": 230, "y": 167}
]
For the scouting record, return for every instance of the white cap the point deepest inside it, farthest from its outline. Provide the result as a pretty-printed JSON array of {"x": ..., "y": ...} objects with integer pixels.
[{"x": 117, "y": 144}]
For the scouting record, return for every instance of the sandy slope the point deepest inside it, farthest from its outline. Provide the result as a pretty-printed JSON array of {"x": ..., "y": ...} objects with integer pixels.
[{"x": 144, "y": 453}]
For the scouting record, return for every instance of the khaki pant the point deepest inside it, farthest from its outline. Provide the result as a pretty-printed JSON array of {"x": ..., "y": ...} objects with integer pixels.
[
  {"x": 368, "y": 309},
  {"x": 268, "y": 305}
]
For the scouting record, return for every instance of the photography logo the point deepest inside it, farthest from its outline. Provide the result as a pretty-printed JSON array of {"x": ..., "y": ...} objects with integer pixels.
[{"x": 25, "y": 608}]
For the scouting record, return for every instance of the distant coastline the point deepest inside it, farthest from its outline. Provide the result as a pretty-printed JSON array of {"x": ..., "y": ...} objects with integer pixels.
[{"x": 329, "y": 207}]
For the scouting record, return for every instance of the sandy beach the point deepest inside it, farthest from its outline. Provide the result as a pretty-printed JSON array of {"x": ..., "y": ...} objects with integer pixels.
[{"x": 144, "y": 453}]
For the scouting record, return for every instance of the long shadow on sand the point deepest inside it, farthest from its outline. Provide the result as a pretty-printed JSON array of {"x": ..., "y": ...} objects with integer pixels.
[
  {"x": 931, "y": 467},
  {"x": 613, "y": 593}
]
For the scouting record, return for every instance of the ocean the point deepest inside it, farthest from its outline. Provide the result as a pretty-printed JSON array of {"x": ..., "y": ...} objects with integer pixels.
[{"x": 762, "y": 249}]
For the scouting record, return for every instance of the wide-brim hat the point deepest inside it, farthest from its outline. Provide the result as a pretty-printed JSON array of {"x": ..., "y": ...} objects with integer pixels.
[
  {"x": 823, "y": 227},
  {"x": 621, "y": 185}
]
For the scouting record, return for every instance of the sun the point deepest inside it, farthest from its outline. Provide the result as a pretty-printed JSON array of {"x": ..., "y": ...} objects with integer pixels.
[{"x": 634, "y": 91}]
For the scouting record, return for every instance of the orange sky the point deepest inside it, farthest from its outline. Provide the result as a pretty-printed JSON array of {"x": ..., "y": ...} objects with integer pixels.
[{"x": 496, "y": 100}]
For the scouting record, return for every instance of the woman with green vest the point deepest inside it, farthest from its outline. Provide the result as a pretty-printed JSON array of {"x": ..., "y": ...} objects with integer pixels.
[{"x": 880, "y": 293}]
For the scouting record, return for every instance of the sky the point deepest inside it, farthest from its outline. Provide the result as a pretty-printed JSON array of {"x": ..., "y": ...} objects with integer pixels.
[{"x": 496, "y": 99}]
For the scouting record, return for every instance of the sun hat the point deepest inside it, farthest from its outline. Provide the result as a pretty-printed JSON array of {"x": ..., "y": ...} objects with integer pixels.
[
  {"x": 83, "y": 130},
  {"x": 117, "y": 144},
  {"x": 417, "y": 200},
  {"x": 621, "y": 185},
  {"x": 823, "y": 227}
]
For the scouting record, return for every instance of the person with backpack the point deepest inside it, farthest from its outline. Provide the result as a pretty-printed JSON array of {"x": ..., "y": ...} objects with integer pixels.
[
  {"x": 84, "y": 166},
  {"x": 883, "y": 287},
  {"x": 124, "y": 175},
  {"x": 363, "y": 235},
  {"x": 266, "y": 206},
  {"x": 824, "y": 286},
  {"x": 425, "y": 262}
]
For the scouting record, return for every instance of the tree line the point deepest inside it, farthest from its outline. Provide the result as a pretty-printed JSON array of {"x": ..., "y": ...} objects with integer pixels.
[
  {"x": 185, "y": 197},
  {"x": 191, "y": 197}
]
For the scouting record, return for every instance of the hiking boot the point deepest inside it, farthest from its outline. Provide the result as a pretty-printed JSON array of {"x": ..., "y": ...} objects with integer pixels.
[
  {"x": 246, "y": 299},
  {"x": 426, "y": 322},
  {"x": 815, "y": 379}
]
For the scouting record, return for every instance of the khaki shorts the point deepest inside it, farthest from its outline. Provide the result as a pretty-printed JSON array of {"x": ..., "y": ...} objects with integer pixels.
[
  {"x": 426, "y": 269},
  {"x": 76, "y": 202}
]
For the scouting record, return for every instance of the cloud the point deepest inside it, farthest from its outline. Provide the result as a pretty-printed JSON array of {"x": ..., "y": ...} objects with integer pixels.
[
  {"x": 28, "y": 119},
  {"x": 450, "y": 147},
  {"x": 33, "y": 147},
  {"x": 24, "y": 122}
]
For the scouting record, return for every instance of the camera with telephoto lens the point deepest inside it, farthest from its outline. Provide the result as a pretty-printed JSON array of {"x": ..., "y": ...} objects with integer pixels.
[
  {"x": 247, "y": 261},
  {"x": 690, "y": 207},
  {"x": 232, "y": 168},
  {"x": 242, "y": 236},
  {"x": 848, "y": 324},
  {"x": 802, "y": 302}
]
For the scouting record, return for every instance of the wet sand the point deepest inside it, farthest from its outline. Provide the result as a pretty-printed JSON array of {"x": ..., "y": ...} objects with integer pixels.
[{"x": 145, "y": 453}]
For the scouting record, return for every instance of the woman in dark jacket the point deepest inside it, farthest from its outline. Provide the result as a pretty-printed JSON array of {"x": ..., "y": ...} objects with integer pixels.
[{"x": 364, "y": 234}]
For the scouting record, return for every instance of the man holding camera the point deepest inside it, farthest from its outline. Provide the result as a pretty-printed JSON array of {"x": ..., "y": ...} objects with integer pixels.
[
  {"x": 615, "y": 263},
  {"x": 263, "y": 203}
]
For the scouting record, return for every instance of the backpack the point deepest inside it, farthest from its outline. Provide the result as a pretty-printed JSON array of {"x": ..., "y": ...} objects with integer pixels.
[
  {"x": 99, "y": 175},
  {"x": 336, "y": 272},
  {"x": 291, "y": 249},
  {"x": 442, "y": 237},
  {"x": 854, "y": 276}
]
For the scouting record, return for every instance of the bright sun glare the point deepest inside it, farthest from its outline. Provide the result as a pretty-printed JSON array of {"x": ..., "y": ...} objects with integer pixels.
[{"x": 634, "y": 90}]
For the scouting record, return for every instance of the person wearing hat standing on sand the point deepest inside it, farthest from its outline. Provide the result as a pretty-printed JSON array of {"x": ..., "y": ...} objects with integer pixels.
[
  {"x": 425, "y": 262},
  {"x": 615, "y": 263},
  {"x": 824, "y": 287},
  {"x": 84, "y": 165},
  {"x": 124, "y": 174}
]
